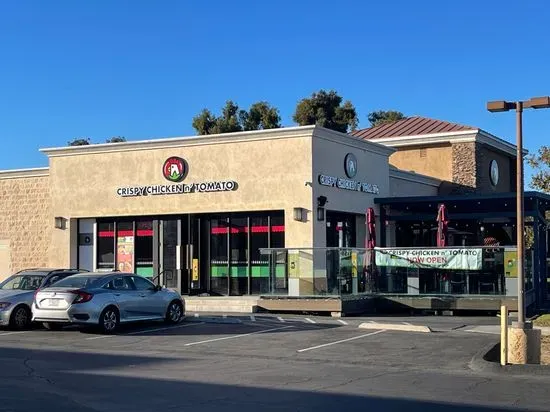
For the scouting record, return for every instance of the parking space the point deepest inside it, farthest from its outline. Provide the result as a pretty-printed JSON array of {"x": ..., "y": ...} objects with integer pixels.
[
  {"x": 216, "y": 360},
  {"x": 283, "y": 337}
]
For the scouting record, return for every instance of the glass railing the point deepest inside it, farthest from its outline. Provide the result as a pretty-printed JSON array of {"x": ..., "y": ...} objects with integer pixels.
[{"x": 412, "y": 271}]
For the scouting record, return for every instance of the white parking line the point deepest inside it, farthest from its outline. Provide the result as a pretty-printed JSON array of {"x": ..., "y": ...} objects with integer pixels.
[
  {"x": 101, "y": 337},
  {"x": 407, "y": 323},
  {"x": 343, "y": 322},
  {"x": 185, "y": 325},
  {"x": 252, "y": 318},
  {"x": 11, "y": 333},
  {"x": 236, "y": 336},
  {"x": 309, "y": 320},
  {"x": 340, "y": 341},
  {"x": 280, "y": 319}
]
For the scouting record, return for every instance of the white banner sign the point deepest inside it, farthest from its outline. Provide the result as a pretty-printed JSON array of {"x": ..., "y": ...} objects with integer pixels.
[{"x": 458, "y": 259}]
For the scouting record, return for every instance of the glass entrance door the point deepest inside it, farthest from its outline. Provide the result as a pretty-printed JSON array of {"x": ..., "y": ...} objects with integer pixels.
[{"x": 178, "y": 257}]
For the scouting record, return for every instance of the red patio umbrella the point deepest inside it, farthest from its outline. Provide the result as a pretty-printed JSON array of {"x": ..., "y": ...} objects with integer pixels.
[
  {"x": 442, "y": 226},
  {"x": 371, "y": 228},
  {"x": 370, "y": 244}
]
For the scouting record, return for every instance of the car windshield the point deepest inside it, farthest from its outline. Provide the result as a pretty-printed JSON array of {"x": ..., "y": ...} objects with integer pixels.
[
  {"x": 76, "y": 282},
  {"x": 23, "y": 281}
]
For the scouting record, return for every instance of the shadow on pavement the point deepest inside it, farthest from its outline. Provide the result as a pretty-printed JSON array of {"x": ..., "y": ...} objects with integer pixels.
[{"x": 63, "y": 381}]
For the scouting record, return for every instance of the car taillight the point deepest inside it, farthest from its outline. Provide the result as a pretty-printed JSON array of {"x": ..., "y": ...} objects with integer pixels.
[{"x": 82, "y": 297}]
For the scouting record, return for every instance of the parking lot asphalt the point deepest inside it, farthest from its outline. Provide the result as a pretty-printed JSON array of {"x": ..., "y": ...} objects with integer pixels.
[{"x": 260, "y": 362}]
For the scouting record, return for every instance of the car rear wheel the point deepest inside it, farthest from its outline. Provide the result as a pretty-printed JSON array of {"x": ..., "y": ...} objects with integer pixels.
[
  {"x": 174, "y": 313},
  {"x": 20, "y": 318},
  {"x": 109, "y": 320},
  {"x": 52, "y": 325}
]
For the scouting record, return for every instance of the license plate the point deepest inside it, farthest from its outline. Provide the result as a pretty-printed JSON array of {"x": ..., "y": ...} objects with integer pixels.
[{"x": 53, "y": 302}]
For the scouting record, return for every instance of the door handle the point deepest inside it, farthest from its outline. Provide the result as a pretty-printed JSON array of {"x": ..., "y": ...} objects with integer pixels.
[
  {"x": 143, "y": 295},
  {"x": 117, "y": 294}
]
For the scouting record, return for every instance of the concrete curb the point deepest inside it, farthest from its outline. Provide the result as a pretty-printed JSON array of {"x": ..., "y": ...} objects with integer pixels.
[
  {"x": 395, "y": 326},
  {"x": 209, "y": 319},
  {"x": 487, "y": 361}
]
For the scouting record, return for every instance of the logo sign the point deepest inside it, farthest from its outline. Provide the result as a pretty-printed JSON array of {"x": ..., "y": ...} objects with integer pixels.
[
  {"x": 457, "y": 259},
  {"x": 174, "y": 169},
  {"x": 350, "y": 165}
]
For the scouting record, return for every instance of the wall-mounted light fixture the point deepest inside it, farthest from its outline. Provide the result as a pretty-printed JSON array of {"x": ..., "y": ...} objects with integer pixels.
[
  {"x": 321, "y": 201},
  {"x": 300, "y": 214},
  {"x": 59, "y": 222}
]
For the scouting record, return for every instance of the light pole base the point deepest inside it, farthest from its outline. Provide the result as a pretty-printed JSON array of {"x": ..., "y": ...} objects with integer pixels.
[{"x": 524, "y": 344}]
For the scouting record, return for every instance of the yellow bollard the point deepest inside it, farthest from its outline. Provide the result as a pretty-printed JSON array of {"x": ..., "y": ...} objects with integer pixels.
[{"x": 503, "y": 335}]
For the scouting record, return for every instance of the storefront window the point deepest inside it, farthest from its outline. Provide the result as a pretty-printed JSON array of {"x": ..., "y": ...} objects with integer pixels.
[
  {"x": 125, "y": 247},
  {"x": 144, "y": 248},
  {"x": 106, "y": 245},
  {"x": 219, "y": 260},
  {"x": 239, "y": 256}
]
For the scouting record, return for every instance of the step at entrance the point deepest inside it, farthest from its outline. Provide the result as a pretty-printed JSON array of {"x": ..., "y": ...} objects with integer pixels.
[{"x": 225, "y": 304}]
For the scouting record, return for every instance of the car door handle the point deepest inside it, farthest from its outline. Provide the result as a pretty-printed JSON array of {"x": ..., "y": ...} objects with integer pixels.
[
  {"x": 143, "y": 295},
  {"x": 117, "y": 294}
]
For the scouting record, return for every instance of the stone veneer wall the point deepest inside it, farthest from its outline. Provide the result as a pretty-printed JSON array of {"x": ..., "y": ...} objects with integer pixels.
[
  {"x": 464, "y": 173},
  {"x": 25, "y": 222}
]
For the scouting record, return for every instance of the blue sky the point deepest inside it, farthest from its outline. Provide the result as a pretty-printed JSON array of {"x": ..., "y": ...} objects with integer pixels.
[{"x": 143, "y": 69}]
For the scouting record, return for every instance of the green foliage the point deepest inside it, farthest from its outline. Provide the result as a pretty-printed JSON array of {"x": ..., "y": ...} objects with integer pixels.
[
  {"x": 382, "y": 116},
  {"x": 81, "y": 141},
  {"x": 116, "y": 139},
  {"x": 541, "y": 163},
  {"x": 326, "y": 109},
  {"x": 261, "y": 115}
]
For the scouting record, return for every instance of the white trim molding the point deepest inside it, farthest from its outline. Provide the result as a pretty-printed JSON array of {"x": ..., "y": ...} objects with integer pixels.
[
  {"x": 166, "y": 143},
  {"x": 24, "y": 173},
  {"x": 463, "y": 136},
  {"x": 352, "y": 141}
]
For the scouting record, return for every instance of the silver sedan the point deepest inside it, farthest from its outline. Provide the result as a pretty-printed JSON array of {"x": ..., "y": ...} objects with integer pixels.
[{"x": 105, "y": 300}]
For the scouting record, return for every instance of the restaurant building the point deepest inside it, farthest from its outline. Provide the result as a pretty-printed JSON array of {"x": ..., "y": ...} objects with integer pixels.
[{"x": 267, "y": 213}]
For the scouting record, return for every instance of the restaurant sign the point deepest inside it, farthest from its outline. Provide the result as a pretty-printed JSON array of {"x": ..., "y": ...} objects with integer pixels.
[
  {"x": 348, "y": 184},
  {"x": 447, "y": 258},
  {"x": 175, "y": 170}
]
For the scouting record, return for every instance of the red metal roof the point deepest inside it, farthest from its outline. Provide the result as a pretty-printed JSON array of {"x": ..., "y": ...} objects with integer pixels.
[{"x": 410, "y": 126}]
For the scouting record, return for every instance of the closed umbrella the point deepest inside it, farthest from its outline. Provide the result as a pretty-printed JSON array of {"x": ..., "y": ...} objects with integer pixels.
[
  {"x": 442, "y": 226},
  {"x": 370, "y": 245}
]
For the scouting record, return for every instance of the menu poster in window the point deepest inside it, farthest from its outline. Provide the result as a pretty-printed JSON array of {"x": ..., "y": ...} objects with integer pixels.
[{"x": 125, "y": 254}]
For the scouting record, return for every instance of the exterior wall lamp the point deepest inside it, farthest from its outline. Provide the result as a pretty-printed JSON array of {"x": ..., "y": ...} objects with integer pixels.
[
  {"x": 321, "y": 201},
  {"x": 300, "y": 214},
  {"x": 60, "y": 222}
]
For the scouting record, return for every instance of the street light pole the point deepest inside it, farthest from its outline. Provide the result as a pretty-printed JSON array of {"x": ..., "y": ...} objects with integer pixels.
[
  {"x": 504, "y": 106},
  {"x": 520, "y": 222}
]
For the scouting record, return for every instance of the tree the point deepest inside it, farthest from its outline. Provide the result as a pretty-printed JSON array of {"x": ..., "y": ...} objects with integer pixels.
[
  {"x": 81, "y": 141},
  {"x": 261, "y": 115},
  {"x": 116, "y": 139},
  {"x": 541, "y": 163},
  {"x": 381, "y": 116},
  {"x": 326, "y": 109}
]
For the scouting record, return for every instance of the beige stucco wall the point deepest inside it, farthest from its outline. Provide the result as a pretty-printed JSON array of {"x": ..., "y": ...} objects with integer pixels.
[
  {"x": 271, "y": 175},
  {"x": 435, "y": 160},
  {"x": 26, "y": 223}
]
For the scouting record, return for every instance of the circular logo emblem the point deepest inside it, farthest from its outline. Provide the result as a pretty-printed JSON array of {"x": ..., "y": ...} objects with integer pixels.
[
  {"x": 493, "y": 172},
  {"x": 174, "y": 169},
  {"x": 350, "y": 165}
]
